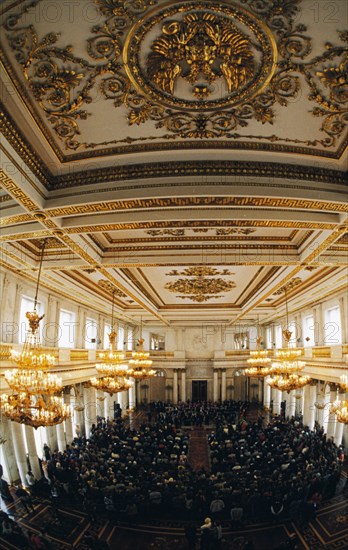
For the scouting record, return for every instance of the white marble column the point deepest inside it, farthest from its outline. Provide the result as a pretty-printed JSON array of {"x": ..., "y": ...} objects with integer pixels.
[
  {"x": 107, "y": 406},
  {"x": 321, "y": 401},
  {"x": 338, "y": 433},
  {"x": 19, "y": 449},
  {"x": 183, "y": 385},
  {"x": 310, "y": 395},
  {"x": 32, "y": 452},
  {"x": 331, "y": 424},
  {"x": 266, "y": 393},
  {"x": 51, "y": 329},
  {"x": 69, "y": 421},
  {"x": 277, "y": 398},
  {"x": 343, "y": 315},
  {"x": 88, "y": 413},
  {"x": 78, "y": 426},
  {"x": 61, "y": 437},
  {"x": 7, "y": 454},
  {"x": 122, "y": 398},
  {"x": 175, "y": 386},
  {"x": 345, "y": 438},
  {"x": 223, "y": 385},
  {"x": 99, "y": 400},
  {"x": 216, "y": 385},
  {"x": 318, "y": 325},
  {"x": 286, "y": 398},
  {"x": 299, "y": 403},
  {"x": 138, "y": 391},
  {"x": 81, "y": 328},
  {"x": 51, "y": 436},
  {"x": 132, "y": 396},
  {"x": 292, "y": 404}
]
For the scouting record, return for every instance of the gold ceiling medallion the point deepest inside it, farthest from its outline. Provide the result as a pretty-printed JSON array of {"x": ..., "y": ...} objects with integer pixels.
[
  {"x": 197, "y": 286},
  {"x": 199, "y": 56}
]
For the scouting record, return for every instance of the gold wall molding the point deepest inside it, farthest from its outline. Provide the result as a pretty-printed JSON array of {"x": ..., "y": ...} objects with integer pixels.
[{"x": 321, "y": 351}]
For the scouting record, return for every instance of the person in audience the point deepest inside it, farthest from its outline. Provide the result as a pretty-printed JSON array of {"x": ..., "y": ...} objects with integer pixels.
[{"x": 254, "y": 466}]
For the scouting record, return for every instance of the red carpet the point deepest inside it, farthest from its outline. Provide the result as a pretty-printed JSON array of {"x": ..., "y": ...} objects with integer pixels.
[{"x": 198, "y": 456}]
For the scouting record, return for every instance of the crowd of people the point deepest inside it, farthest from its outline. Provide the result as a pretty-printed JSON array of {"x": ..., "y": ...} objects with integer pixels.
[{"x": 258, "y": 471}]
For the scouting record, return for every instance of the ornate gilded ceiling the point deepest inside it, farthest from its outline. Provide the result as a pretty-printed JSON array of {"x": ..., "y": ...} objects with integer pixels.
[
  {"x": 113, "y": 76},
  {"x": 187, "y": 157}
]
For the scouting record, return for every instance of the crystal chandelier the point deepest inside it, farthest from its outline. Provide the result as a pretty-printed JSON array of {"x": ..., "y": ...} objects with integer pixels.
[
  {"x": 111, "y": 385},
  {"x": 321, "y": 404},
  {"x": 340, "y": 408},
  {"x": 344, "y": 382},
  {"x": 287, "y": 366},
  {"x": 140, "y": 362},
  {"x": 259, "y": 360},
  {"x": 33, "y": 400},
  {"x": 288, "y": 382},
  {"x": 115, "y": 372}
]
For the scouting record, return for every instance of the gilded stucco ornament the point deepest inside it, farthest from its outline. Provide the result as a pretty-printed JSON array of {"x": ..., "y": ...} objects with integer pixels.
[
  {"x": 200, "y": 283},
  {"x": 191, "y": 69}
]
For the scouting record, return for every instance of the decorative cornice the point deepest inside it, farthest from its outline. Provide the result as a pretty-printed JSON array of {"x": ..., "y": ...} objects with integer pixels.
[
  {"x": 22, "y": 146},
  {"x": 201, "y": 168},
  {"x": 169, "y": 169}
]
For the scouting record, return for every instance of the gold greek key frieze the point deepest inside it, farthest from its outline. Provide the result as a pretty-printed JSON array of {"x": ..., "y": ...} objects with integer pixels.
[
  {"x": 13, "y": 189},
  {"x": 268, "y": 202}
]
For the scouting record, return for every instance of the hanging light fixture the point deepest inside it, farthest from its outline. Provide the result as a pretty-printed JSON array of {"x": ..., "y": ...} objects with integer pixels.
[
  {"x": 287, "y": 366},
  {"x": 140, "y": 362},
  {"x": 34, "y": 400},
  {"x": 115, "y": 371},
  {"x": 258, "y": 360},
  {"x": 340, "y": 408}
]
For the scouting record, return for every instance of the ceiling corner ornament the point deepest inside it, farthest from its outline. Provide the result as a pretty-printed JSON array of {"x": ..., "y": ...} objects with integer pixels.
[
  {"x": 200, "y": 284},
  {"x": 192, "y": 69}
]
